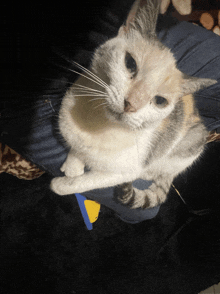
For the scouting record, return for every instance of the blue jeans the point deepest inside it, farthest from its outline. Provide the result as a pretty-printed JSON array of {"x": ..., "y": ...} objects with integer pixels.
[{"x": 197, "y": 53}]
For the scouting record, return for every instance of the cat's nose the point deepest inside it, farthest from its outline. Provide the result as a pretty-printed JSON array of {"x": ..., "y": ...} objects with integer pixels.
[{"x": 128, "y": 107}]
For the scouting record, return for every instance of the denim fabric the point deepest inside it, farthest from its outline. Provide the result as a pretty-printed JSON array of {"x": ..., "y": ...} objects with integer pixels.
[
  {"x": 197, "y": 53},
  {"x": 34, "y": 126},
  {"x": 46, "y": 148}
]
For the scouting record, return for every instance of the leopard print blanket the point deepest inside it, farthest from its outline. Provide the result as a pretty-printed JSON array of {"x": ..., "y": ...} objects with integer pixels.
[{"x": 13, "y": 163}]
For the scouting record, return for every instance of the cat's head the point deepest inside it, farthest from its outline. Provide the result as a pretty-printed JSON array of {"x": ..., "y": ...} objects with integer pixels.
[{"x": 143, "y": 81}]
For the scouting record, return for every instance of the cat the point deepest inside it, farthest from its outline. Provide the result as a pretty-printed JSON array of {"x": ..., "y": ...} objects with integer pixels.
[{"x": 131, "y": 115}]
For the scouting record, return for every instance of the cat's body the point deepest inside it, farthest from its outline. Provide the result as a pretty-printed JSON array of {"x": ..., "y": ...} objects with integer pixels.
[{"x": 144, "y": 123}]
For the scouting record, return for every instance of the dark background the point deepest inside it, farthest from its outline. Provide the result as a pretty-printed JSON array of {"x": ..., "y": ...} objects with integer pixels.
[{"x": 45, "y": 247}]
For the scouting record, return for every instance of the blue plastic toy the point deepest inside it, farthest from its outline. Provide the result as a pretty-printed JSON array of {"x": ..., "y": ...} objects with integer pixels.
[{"x": 89, "y": 209}]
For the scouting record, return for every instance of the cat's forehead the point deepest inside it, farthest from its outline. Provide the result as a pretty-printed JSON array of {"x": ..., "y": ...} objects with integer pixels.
[
  {"x": 143, "y": 50},
  {"x": 151, "y": 57},
  {"x": 156, "y": 64}
]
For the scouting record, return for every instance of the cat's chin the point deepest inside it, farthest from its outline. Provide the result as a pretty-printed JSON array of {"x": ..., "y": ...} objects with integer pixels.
[
  {"x": 112, "y": 115},
  {"x": 124, "y": 119}
]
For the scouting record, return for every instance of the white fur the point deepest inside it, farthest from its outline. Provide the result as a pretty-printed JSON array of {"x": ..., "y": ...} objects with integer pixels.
[{"x": 112, "y": 143}]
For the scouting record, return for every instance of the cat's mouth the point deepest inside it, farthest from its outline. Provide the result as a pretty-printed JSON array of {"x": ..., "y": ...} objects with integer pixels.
[
  {"x": 115, "y": 114},
  {"x": 124, "y": 119},
  {"x": 119, "y": 111}
]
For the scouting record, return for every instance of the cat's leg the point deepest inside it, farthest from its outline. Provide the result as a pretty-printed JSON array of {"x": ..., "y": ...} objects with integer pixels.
[
  {"x": 88, "y": 181},
  {"x": 73, "y": 166},
  {"x": 151, "y": 197}
]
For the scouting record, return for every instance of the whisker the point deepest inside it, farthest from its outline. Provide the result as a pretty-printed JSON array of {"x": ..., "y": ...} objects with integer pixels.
[
  {"x": 80, "y": 74},
  {"x": 84, "y": 87},
  {"x": 102, "y": 104},
  {"x": 77, "y": 86},
  {"x": 88, "y": 91},
  {"x": 90, "y": 95},
  {"x": 90, "y": 73},
  {"x": 96, "y": 99},
  {"x": 94, "y": 81}
]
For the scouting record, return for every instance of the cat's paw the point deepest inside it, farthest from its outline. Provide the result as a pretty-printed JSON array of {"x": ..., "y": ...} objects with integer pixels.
[
  {"x": 133, "y": 198},
  {"x": 124, "y": 194},
  {"x": 141, "y": 200},
  {"x": 61, "y": 186},
  {"x": 72, "y": 171},
  {"x": 145, "y": 199}
]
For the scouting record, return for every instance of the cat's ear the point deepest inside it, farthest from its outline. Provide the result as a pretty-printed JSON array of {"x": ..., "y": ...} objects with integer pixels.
[
  {"x": 142, "y": 17},
  {"x": 191, "y": 84}
]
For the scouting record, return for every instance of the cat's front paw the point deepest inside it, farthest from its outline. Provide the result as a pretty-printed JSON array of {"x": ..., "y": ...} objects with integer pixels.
[
  {"x": 61, "y": 186},
  {"x": 72, "y": 170}
]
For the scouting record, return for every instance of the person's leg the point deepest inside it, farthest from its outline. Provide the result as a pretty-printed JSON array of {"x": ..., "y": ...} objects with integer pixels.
[
  {"x": 44, "y": 146},
  {"x": 106, "y": 197},
  {"x": 197, "y": 53}
]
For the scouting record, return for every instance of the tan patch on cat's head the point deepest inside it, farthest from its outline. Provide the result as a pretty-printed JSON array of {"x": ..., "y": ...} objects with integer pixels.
[{"x": 156, "y": 75}]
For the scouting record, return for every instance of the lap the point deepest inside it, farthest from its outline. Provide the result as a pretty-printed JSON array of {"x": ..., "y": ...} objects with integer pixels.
[
  {"x": 197, "y": 53},
  {"x": 35, "y": 127}
]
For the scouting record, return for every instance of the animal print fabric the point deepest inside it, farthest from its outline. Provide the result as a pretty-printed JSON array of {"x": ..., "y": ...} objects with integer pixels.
[
  {"x": 13, "y": 163},
  {"x": 213, "y": 136}
]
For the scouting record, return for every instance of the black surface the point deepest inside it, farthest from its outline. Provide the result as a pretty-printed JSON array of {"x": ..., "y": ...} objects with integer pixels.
[{"x": 46, "y": 248}]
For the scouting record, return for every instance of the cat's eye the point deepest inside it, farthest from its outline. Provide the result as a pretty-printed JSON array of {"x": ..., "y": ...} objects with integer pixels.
[
  {"x": 160, "y": 102},
  {"x": 130, "y": 63}
]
